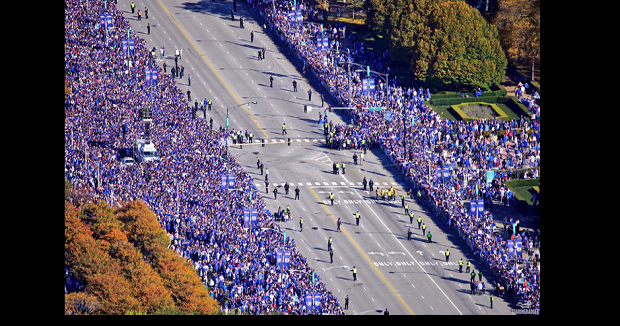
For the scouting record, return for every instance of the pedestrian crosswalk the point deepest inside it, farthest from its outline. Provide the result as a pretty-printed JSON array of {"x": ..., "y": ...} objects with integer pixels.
[
  {"x": 259, "y": 141},
  {"x": 330, "y": 184}
]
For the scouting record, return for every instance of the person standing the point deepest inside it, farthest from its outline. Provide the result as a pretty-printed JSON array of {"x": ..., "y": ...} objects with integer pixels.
[
  {"x": 189, "y": 80},
  {"x": 346, "y": 302},
  {"x": 354, "y": 270},
  {"x": 148, "y": 27},
  {"x": 331, "y": 256},
  {"x": 329, "y": 243},
  {"x": 468, "y": 266},
  {"x": 259, "y": 55},
  {"x": 275, "y": 193},
  {"x": 357, "y": 218},
  {"x": 338, "y": 223},
  {"x": 386, "y": 312},
  {"x": 447, "y": 255},
  {"x": 409, "y": 234},
  {"x": 146, "y": 12},
  {"x": 480, "y": 276},
  {"x": 165, "y": 67},
  {"x": 411, "y": 218},
  {"x": 301, "y": 224},
  {"x": 133, "y": 8},
  {"x": 294, "y": 86},
  {"x": 284, "y": 129},
  {"x": 423, "y": 228},
  {"x": 297, "y": 193},
  {"x": 473, "y": 276},
  {"x": 322, "y": 99},
  {"x": 429, "y": 236},
  {"x": 461, "y": 265},
  {"x": 286, "y": 188},
  {"x": 370, "y": 183},
  {"x": 162, "y": 50},
  {"x": 252, "y": 36},
  {"x": 491, "y": 300},
  {"x": 364, "y": 183},
  {"x": 419, "y": 221},
  {"x": 331, "y": 197},
  {"x": 309, "y": 95},
  {"x": 343, "y": 171},
  {"x": 271, "y": 81}
]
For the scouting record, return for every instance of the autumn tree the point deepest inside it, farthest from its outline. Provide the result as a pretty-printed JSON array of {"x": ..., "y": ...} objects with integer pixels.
[{"x": 518, "y": 23}]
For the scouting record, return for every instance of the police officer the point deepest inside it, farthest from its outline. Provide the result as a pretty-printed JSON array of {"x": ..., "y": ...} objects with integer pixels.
[
  {"x": 406, "y": 208},
  {"x": 491, "y": 299},
  {"x": 329, "y": 243},
  {"x": 447, "y": 255},
  {"x": 241, "y": 22},
  {"x": 357, "y": 218},
  {"x": 301, "y": 224},
  {"x": 364, "y": 182},
  {"x": 461, "y": 265},
  {"x": 343, "y": 168},
  {"x": 331, "y": 197},
  {"x": 250, "y": 137},
  {"x": 354, "y": 270},
  {"x": 296, "y": 192},
  {"x": 429, "y": 236},
  {"x": 423, "y": 228},
  {"x": 209, "y": 104},
  {"x": 362, "y": 160},
  {"x": 402, "y": 200},
  {"x": 419, "y": 221},
  {"x": 133, "y": 8},
  {"x": 284, "y": 129},
  {"x": 411, "y": 218},
  {"x": 468, "y": 266},
  {"x": 419, "y": 195}
]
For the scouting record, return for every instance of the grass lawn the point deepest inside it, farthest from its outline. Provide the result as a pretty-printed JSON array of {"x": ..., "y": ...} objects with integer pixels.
[{"x": 445, "y": 111}]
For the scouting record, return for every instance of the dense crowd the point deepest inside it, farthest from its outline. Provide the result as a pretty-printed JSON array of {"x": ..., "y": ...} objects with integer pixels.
[
  {"x": 418, "y": 140},
  {"x": 109, "y": 89},
  {"x": 183, "y": 187}
]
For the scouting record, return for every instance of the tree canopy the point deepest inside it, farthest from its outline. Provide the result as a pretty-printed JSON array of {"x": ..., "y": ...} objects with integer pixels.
[{"x": 121, "y": 257}]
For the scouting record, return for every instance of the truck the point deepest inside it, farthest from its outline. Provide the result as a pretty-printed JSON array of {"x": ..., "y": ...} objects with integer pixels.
[{"x": 144, "y": 151}]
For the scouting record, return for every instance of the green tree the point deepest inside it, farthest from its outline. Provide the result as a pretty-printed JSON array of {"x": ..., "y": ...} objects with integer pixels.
[{"x": 458, "y": 49}]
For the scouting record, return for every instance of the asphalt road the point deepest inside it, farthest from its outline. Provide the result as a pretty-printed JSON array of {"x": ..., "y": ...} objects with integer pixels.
[{"x": 406, "y": 277}]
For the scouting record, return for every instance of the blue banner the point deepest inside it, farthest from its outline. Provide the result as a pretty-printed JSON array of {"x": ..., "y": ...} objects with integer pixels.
[
  {"x": 291, "y": 17},
  {"x": 364, "y": 86},
  {"x": 102, "y": 17},
  {"x": 511, "y": 251},
  {"x": 131, "y": 47},
  {"x": 371, "y": 85},
  {"x": 154, "y": 76},
  {"x": 325, "y": 42},
  {"x": 480, "y": 205},
  {"x": 308, "y": 303},
  {"x": 300, "y": 18},
  {"x": 231, "y": 181},
  {"x": 109, "y": 20},
  {"x": 147, "y": 73},
  {"x": 518, "y": 247},
  {"x": 279, "y": 258},
  {"x": 317, "y": 303},
  {"x": 319, "y": 44},
  {"x": 287, "y": 259},
  {"x": 246, "y": 219},
  {"x": 446, "y": 172},
  {"x": 473, "y": 207},
  {"x": 254, "y": 218},
  {"x": 124, "y": 43}
]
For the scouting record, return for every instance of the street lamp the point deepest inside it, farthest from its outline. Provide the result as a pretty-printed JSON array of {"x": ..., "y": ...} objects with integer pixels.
[{"x": 312, "y": 274}]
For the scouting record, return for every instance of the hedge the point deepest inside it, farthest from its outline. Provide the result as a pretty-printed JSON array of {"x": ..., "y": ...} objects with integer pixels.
[
  {"x": 523, "y": 203},
  {"x": 465, "y": 117}
]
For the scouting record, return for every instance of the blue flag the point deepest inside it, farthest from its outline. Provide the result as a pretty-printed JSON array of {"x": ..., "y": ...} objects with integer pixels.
[
  {"x": 438, "y": 173},
  {"x": 102, "y": 17},
  {"x": 109, "y": 20},
  {"x": 480, "y": 205},
  {"x": 325, "y": 42},
  {"x": 246, "y": 219},
  {"x": 154, "y": 76},
  {"x": 364, "y": 86},
  {"x": 300, "y": 18},
  {"x": 446, "y": 172},
  {"x": 131, "y": 47},
  {"x": 223, "y": 184},
  {"x": 253, "y": 218},
  {"x": 147, "y": 73},
  {"x": 371, "y": 85}
]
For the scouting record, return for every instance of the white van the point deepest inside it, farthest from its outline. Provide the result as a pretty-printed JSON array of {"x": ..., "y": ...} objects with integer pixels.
[{"x": 145, "y": 152}]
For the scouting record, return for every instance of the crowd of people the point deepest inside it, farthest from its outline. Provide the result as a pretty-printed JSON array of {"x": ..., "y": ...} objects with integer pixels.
[
  {"x": 418, "y": 140},
  {"x": 103, "y": 119}
]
